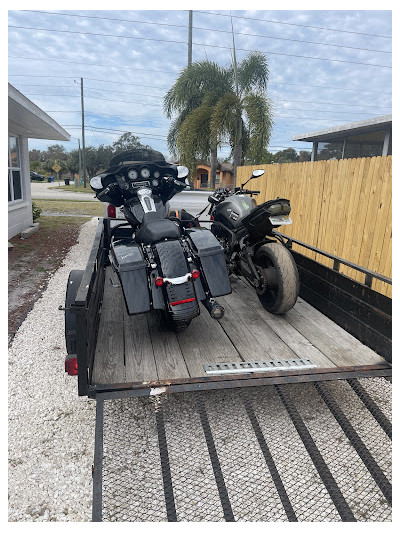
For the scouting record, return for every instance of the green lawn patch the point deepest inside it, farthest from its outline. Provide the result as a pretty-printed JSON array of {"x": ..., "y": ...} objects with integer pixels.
[{"x": 70, "y": 207}]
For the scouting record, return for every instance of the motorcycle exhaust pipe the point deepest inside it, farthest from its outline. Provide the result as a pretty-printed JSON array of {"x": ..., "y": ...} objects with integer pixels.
[{"x": 214, "y": 308}]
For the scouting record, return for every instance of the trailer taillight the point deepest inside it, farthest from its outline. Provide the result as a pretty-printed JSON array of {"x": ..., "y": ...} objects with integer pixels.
[
  {"x": 111, "y": 211},
  {"x": 159, "y": 282},
  {"x": 195, "y": 274},
  {"x": 71, "y": 366}
]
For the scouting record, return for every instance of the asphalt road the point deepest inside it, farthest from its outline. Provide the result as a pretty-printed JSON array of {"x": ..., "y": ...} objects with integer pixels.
[{"x": 192, "y": 201}]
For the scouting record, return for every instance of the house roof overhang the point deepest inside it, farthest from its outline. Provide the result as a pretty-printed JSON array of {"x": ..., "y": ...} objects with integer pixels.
[
  {"x": 27, "y": 119},
  {"x": 353, "y": 128}
]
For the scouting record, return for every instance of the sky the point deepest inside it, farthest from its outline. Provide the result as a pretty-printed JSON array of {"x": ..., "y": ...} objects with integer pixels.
[{"x": 326, "y": 68}]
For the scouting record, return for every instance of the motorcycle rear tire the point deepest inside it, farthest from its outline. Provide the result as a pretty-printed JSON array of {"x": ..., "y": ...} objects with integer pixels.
[
  {"x": 176, "y": 325},
  {"x": 283, "y": 296}
]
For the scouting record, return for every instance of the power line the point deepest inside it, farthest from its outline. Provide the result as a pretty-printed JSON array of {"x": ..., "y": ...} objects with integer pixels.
[
  {"x": 90, "y": 65},
  {"x": 205, "y": 29},
  {"x": 93, "y": 98},
  {"x": 295, "y": 24},
  {"x": 196, "y": 44},
  {"x": 327, "y": 87},
  {"x": 151, "y": 86},
  {"x": 156, "y": 105},
  {"x": 113, "y": 129},
  {"x": 156, "y": 96}
]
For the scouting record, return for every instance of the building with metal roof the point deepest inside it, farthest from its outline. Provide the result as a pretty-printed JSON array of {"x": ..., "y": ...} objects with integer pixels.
[{"x": 365, "y": 138}]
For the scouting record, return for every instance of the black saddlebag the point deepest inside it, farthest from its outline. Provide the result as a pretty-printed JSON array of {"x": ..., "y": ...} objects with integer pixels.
[
  {"x": 212, "y": 259},
  {"x": 127, "y": 260}
]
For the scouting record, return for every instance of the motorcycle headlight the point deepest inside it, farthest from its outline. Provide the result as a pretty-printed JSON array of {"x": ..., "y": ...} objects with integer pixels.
[
  {"x": 96, "y": 182},
  {"x": 182, "y": 171}
]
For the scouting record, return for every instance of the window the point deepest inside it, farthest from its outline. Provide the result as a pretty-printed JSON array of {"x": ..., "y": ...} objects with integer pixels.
[
  {"x": 14, "y": 170},
  {"x": 328, "y": 151}
]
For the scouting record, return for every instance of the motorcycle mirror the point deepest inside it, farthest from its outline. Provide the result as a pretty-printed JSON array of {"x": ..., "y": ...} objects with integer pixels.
[
  {"x": 257, "y": 173},
  {"x": 182, "y": 171}
]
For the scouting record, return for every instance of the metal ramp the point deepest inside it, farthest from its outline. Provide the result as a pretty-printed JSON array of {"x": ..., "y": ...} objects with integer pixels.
[{"x": 293, "y": 452}]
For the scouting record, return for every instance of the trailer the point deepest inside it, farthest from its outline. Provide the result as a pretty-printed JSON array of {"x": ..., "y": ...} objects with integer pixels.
[{"x": 239, "y": 442}]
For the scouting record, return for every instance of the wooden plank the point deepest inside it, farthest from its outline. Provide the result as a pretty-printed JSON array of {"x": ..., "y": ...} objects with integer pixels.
[
  {"x": 109, "y": 356},
  {"x": 204, "y": 341},
  {"x": 251, "y": 335},
  {"x": 301, "y": 346},
  {"x": 139, "y": 356},
  {"x": 383, "y": 223},
  {"x": 167, "y": 352},
  {"x": 336, "y": 343}
]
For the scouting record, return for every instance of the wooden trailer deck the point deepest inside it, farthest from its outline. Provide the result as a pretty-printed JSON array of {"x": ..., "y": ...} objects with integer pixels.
[{"x": 140, "y": 348}]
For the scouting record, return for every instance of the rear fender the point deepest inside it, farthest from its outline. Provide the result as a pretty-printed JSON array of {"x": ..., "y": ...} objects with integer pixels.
[{"x": 180, "y": 298}]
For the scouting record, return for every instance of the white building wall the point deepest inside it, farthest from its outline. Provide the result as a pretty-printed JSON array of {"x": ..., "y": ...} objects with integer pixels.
[{"x": 20, "y": 214}]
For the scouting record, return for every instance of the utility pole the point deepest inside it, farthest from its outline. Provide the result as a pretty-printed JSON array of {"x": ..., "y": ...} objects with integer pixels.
[
  {"x": 238, "y": 127},
  {"x": 83, "y": 136},
  {"x": 80, "y": 159},
  {"x": 190, "y": 38}
]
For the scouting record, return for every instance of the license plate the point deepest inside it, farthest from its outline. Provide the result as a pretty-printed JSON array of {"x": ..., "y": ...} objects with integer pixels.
[{"x": 280, "y": 220}]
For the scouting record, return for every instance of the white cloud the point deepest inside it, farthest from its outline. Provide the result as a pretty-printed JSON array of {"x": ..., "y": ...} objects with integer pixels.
[{"x": 155, "y": 64}]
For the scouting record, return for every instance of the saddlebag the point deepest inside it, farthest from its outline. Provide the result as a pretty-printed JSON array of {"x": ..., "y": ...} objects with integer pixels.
[
  {"x": 212, "y": 259},
  {"x": 127, "y": 260}
]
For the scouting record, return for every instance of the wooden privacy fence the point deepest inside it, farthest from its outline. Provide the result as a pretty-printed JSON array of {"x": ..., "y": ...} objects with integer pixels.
[{"x": 342, "y": 207}]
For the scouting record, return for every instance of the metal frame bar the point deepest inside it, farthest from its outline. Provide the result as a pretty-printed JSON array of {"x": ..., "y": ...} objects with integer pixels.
[
  {"x": 131, "y": 390},
  {"x": 97, "y": 472},
  {"x": 369, "y": 274}
]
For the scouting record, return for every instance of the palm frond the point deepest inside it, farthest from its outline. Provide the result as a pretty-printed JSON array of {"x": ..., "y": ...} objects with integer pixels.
[
  {"x": 258, "y": 110},
  {"x": 253, "y": 73},
  {"x": 193, "y": 140},
  {"x": 224, "y": 116}
]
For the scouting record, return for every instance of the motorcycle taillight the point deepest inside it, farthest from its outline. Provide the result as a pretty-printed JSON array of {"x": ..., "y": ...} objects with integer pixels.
[{"x": 111, "y": 211}]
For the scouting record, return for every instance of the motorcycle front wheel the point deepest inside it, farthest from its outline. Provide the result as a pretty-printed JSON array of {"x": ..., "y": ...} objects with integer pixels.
[{"x": 280, "y": 283}]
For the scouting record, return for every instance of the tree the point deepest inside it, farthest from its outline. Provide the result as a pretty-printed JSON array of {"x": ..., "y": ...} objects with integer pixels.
[
  {"x": 56, "y": 151},
  {"x": 35, "y": 155},
  {"x": 34, "y": 166},
  {"x": 126, "y": 142},
  {"x": 98, "y": 159},
  {"x": 286, "y": 156},
  {"x": 192, "y": 98},
  {"x": 211, "y": 108},
  {"x": 304, "y": 156},
  {"x": 264, "y": 157}
]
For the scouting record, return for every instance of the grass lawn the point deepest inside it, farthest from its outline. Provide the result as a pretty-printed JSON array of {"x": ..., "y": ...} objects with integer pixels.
[{"x": 70, "y": 207}]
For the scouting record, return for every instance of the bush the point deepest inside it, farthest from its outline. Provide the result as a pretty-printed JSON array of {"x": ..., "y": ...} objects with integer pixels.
[{"x": 36, "y": 211}]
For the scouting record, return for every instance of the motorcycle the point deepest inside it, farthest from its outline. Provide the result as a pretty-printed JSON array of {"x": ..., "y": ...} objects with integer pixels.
[
  {"x": 246, "y": 231},
  {"x": 165, "y": 263}
]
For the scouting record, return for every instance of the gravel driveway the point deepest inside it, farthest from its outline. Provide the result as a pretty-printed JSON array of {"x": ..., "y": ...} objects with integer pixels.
[{"x": 51, "y": 429}]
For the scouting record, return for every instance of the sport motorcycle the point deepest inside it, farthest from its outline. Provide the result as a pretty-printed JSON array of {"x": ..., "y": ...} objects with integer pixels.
[{"x": 252, "y": 249}]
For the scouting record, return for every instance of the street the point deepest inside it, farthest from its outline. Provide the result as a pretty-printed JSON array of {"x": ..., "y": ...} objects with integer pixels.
[{"x": 192, "y": 201}]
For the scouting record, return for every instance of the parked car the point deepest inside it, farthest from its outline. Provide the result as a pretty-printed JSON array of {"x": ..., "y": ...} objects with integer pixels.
[{"x": 37, "y": 177}]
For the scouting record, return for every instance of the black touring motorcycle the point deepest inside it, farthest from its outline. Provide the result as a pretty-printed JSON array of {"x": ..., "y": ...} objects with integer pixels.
[
  {"x": 166, "y": 263},
  {"x": 246, "y": 232}
]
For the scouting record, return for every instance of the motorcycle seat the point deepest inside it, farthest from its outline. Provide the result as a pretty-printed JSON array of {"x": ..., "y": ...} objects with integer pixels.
[{"x": 154, "y": 228}]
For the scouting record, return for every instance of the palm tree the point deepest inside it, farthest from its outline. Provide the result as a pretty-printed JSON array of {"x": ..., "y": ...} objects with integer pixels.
[
  {"x": 192, "y": 97},
  {"x": 214, "y": 104}
]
